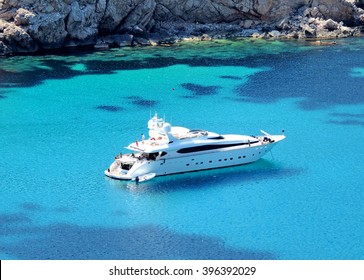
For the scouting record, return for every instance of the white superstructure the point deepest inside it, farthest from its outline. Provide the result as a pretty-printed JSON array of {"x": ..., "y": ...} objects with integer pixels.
[{"x": 174, "y": 149}]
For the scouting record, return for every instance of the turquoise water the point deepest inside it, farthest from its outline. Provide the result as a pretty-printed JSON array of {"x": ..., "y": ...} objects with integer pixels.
[{"x": 63, "y": 117}]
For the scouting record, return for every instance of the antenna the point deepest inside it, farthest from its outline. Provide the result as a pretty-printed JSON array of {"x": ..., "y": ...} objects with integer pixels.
[{"x": 150, "y": 110}]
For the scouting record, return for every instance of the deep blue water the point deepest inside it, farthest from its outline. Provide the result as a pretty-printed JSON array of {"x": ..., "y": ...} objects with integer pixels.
[{"x": 63, "y": 117}]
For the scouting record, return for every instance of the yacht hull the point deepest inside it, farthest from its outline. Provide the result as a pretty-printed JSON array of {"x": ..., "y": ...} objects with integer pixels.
[
  {"x": 195, "y": 162},
  {"x": 175, "y": 149}
]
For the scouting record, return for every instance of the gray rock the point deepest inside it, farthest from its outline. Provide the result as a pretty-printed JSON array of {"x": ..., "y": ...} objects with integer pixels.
[
  {"x": 331, "y": 25},
  {"x": 59, "y": 23},
  {"x": 118, "y": 40},
  {"x": 205, "y": 37},
  {"x": 4, "y": 49},
  {"x": 17, "y": 40},
  {"x": 140, "y": 16},
  {"x": 101, "y": 46},
  {"x": 23, "y": 17},
  {"x": 247, "y": 24},
  {"x": 274, "y": 34},
  {"x": 82, "y": 23},
  {"x": 141, "y": 41},
  {"x": 49, "y": 30}
]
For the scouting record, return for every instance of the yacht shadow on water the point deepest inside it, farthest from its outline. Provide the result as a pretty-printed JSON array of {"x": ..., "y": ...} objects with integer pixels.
[{"x": 222, "y": 177}]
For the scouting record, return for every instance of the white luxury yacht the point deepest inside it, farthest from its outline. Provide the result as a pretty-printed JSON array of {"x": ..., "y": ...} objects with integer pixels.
[{"x": 175, "y": 149}]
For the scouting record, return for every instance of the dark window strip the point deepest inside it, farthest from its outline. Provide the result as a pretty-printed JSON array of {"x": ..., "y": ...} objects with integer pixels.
[{"x": 211, "y": 147}]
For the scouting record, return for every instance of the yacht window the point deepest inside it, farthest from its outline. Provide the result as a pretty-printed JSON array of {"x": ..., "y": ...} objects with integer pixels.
[
  {"x": 217, "y": 137},
  {"x": 153, "y": 156},
  {"x": 197, "y": 132},
  {"x": 126, "y": 166},
  {"x": 211, "y": 147}
]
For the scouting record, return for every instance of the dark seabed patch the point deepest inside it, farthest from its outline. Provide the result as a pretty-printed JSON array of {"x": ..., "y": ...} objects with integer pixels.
[
  {"x": 201, "y": 90},
  {"x": 66, "y": 241},
  {"x": 188, "y": 96},
  {"x": 8, "y": 219},
  {"x": 348, "y": 115},
  {"x": 109, "y": 108},
  {"x": 347, "y": 118},
  {"x": 136, "y": 100},
  {"x": 29, "y": 206},
  {"x": 61, "y": 66},
  {"x": 347, "y": 122},
  {"x": 62, "y": 209},
  {"x": 311, "y": 77},
  {"x": 133, "y": 97},
  {"x": 230, "y": 77},
  {"x": 3, "y": 93}
]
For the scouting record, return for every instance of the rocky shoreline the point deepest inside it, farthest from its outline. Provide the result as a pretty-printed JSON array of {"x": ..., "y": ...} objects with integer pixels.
[{"x": 32, "y": 25}]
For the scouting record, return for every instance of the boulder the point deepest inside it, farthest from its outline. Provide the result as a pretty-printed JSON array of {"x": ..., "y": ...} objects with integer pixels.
[
  {"x": 121, "y": 15},
  {"x": 274, "y": 34},
  {"x": 17, "y": 40},
  {"x": 82, "y": 23},
  {"x": 284, "y": 24},
  {"x": 3, "y": 25},
  {"x": 309, "y": 30},
  {"x": 4, "y": 49},
  {"x": 140, "y": 16},
  {"x": 118, "y": 40},
  {"x": 100, "y": 46},
  {"x": 205, "y": 37},
  {"x": 7, "y": 14},
  {"x": 247, "y": 24},
  {"x": 337, "y": 10},
  {"x": 331, "y": 25},
  {"x": 23, "y": 17},
  {"x": 48, "y": 30},
  {"x": 141, "y": 41}
]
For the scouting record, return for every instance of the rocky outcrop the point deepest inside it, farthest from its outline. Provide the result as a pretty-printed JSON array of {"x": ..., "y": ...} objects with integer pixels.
[
  {"x": 215, "y": 11},
  {"x": 30, "y": 25}
]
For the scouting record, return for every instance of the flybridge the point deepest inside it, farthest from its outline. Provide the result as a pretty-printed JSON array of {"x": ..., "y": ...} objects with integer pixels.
[
  {"x": 158, "y": 129},
  {"x": 162, "y": 133}
]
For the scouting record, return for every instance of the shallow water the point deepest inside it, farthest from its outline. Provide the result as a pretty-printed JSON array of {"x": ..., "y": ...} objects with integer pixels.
[{"x": 63, "y": 117}]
